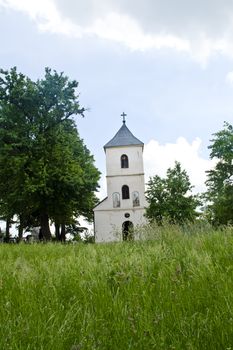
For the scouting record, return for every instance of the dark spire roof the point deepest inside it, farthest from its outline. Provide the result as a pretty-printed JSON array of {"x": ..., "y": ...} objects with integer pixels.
[{"x": 123, "y": 137}]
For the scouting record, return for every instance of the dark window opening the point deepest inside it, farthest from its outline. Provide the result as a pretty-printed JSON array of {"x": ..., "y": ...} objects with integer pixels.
[
  {"x": 124, "y": 161},
  {"x": 127, "y": 231},
  {"x": 125, "y": 192}
]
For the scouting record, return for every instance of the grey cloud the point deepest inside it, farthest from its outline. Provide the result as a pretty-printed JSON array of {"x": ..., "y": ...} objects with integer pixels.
[{"x": 185, "y": 18}]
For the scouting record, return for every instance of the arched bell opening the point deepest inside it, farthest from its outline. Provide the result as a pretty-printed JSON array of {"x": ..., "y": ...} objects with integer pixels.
[
  {"x": 124, "y": 161},
  {"x": 125, "y": 192}
]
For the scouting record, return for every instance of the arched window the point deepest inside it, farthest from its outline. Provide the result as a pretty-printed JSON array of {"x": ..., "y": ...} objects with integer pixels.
[
  {"x": 124, "y": 161},
  {"x": 125, "y": 192},
  {"x": 116, "y": 200},
  {"x": 136, "y": 201}
]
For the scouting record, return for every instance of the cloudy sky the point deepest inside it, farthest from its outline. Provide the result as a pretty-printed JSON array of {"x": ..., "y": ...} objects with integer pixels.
[{"x": 167, "y": 64}]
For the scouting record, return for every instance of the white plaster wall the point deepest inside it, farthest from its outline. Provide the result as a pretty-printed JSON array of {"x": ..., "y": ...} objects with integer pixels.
[
  {"x": 135, "y": 183},
  {"x": 113, "y": 160},
  {"x": 108, "y": 223}
]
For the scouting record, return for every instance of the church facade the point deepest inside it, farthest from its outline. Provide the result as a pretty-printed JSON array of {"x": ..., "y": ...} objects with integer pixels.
[{"x": 124, "y": 207}]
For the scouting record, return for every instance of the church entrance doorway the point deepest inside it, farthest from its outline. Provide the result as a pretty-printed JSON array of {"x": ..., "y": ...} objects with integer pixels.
[{"x": 127, "y": 231}]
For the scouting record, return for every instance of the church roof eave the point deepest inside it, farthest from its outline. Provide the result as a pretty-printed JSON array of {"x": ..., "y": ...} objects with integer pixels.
[{"x": 103, "y": 200}]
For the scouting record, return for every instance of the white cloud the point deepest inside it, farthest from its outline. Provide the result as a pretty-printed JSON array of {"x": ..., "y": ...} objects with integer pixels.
[
  {"x": 122, "y": 28},
  {"x": 200, "y": 29},
  {"x": 158, "y": 158},
  {"x": 46, "y": 16},
  {"x": 229, "y": 77},
  {"x": 102, "y": 191},
  {"x": 113, "y": 26}
]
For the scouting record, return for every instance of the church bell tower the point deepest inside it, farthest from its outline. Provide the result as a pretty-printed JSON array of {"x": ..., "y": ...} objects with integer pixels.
[{"x": 123, "y": 209}]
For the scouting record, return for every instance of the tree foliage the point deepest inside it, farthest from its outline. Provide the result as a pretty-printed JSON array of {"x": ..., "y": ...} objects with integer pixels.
[
  {"x": 169, "y": 197},
  {"x": 220, "y": 179},
  {"x": 46, "y": 171}
]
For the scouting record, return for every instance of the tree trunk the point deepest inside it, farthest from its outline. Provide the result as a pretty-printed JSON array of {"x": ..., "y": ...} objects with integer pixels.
[
  {"x": 45, "y": 229},
  {"x": 20, "y": 233},
  {"x": 63, "y": 232},
  {"x": 7, "y": 237},
  {"x": 20, "y": 230},
  {"x": 57, "y": 232}
]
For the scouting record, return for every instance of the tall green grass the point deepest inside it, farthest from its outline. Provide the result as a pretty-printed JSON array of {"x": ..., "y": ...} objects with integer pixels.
[{"x": 171, "y": 291}]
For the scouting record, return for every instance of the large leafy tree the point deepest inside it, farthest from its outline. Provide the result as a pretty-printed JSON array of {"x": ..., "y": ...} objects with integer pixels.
[
  {"x": 46, "y": 171},
  {"x": 169, "y": 198},
  {"x": 17, "y": 106},
  {"x": 72, "y": 180},
  {"x": 220, "y": 179}
]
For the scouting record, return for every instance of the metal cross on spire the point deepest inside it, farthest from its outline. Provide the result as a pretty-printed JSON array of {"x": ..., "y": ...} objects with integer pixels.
[{"x": 123, "y": 115}]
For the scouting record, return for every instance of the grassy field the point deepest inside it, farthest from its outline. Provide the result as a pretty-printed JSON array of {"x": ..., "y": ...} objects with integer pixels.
[{"x": 171, "y": 291}]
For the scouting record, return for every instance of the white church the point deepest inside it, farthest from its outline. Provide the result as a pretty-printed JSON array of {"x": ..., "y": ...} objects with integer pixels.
[{"x": 124, "y": 207}]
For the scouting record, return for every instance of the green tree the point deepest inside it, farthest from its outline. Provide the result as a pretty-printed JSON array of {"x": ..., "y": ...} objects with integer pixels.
[
  {"x": 169, "y": 197},
  {"x": 17, "y": 94},
  {"x": 220, "y": 179},
  {"x": 46, "y": 171},
  {"x": 73, "y": 180}
]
